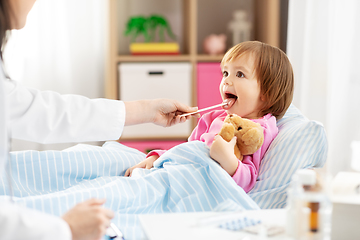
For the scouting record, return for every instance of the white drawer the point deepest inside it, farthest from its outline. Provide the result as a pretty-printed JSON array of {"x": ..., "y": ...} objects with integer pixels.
[{"x": 156, "y": 80}]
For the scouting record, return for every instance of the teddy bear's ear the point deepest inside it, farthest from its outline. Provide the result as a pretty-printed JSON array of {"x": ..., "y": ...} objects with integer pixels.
[
  {"x": 236, "y": 120},
  {"x": 227, "y": 119},
  {"x": 227, "y": 131}
]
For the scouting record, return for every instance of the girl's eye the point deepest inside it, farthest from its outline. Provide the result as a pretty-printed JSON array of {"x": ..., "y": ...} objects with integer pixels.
[
  {"x": 239, "y": 74},
  {"x": 225, "y": 74}
]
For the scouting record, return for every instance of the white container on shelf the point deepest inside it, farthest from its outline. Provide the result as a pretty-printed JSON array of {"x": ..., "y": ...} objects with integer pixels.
[{"x": 156, "y": 80}]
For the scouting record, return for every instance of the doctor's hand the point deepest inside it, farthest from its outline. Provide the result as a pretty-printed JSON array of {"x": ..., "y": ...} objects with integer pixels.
[
  {"x": 147, "y": 164},
  {"x": 223, "y": 152},
  {"x": 88, "y": 220},
  {"x": 163, "y": 112}
]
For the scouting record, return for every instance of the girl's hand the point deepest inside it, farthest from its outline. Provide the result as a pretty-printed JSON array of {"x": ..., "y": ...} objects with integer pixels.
[
  {"x": 147, "y": 164},
  {"x": 223, "y": 152}
]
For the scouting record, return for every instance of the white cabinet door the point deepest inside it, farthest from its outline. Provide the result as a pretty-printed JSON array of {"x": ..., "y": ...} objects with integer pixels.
[{"x": 156, "y": 80}]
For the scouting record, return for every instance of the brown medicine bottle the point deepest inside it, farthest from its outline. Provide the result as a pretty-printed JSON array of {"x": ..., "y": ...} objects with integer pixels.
[{"x": 311, "y": 190}]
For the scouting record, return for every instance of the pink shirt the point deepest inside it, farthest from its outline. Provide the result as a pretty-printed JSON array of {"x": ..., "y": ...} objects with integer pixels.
[{"x": 210, "y": 124}]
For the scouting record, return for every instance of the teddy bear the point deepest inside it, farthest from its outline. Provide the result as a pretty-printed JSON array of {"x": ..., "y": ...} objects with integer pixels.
[{"x": 249, "y": 134}]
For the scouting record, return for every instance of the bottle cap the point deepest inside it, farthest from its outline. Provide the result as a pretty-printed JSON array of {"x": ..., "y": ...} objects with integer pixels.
[{"x": 307, "y": 176}]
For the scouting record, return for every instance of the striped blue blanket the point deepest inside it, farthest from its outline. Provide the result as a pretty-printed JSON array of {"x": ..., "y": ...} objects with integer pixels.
[{"x": 184, "y": 179}]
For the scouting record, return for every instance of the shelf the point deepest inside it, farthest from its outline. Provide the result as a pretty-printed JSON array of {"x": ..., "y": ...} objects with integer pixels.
[
  {"x": 209, "y": 58},
  {"x": 169, "y": 58},
  {"x": 153, "y": 58}
]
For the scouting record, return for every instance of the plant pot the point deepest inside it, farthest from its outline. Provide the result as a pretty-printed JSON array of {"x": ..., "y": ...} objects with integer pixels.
[{"x": 168, "y": 48}]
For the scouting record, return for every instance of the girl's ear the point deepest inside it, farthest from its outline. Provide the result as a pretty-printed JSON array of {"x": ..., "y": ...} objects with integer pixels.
[{"x": 262, "y": 98}]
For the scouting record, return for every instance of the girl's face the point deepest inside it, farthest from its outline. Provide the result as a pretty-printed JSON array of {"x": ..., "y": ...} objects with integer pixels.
[
  {"x": 20, "y": 10},
  {"x": 239, "y": 87}
]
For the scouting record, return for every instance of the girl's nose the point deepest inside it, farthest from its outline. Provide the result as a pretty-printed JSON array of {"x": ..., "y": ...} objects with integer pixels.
[{"x": 228, "y": 82}]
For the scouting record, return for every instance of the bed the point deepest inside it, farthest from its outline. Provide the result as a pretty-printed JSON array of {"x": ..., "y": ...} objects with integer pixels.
[{"x": 184, "y": 179}]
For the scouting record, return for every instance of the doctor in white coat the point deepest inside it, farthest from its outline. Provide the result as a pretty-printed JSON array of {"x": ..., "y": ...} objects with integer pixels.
[{"x": 48, "y": 117}]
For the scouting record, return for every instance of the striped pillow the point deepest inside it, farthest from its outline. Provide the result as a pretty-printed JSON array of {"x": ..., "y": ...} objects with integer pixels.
[{"x": 301, "y": 143}]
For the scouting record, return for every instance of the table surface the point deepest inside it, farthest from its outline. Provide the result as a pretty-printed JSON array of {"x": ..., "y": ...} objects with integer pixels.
[{"x": 186, "y": 225}]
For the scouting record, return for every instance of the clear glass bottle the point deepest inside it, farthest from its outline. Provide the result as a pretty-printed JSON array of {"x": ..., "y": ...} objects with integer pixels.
[{"x": 296, "y": 213}]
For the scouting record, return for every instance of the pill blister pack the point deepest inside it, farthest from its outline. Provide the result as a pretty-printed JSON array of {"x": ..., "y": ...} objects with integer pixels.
[
  {"x": 267, "y": 230},
  {"x": 239, "y": 223},
  {"x": 251, "y": 225}
]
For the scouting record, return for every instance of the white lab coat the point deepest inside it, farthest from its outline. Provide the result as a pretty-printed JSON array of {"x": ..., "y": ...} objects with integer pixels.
[
  {"x": 48, "y": 117},
  {"x": 20, "y": 223}
]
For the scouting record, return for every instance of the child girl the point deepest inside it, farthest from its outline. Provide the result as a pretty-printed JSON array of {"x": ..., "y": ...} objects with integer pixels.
[{"x": 257, "y": 84}]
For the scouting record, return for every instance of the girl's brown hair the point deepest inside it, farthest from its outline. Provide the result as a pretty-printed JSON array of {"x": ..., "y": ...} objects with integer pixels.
[{"x": 273, "y": 71}]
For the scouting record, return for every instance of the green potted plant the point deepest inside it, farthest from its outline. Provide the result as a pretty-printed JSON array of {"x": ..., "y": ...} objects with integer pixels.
[{"x": 150, "y": 28}]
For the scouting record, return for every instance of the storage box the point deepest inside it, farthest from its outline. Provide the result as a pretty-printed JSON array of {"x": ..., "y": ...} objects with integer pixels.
[
  {"x": 156, "y": 80},
  {"x": 208, "y": 81}
]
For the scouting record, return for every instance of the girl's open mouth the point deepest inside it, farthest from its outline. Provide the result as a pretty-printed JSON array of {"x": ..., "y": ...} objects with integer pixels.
[{"x": 230, "y": 100}]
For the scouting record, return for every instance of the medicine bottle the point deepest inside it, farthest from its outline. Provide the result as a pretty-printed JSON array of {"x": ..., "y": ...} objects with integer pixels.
[
  {"x": 308, "y": 179},
  {"x": 312, "y": 198},
  {"x": 296, "y": 213}
]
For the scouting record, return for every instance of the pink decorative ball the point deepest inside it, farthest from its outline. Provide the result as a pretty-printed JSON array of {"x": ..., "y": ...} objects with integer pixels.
[{"x": 214, "y": 44}]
